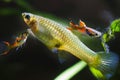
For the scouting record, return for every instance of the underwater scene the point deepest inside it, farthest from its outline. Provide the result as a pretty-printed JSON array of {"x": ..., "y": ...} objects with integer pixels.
[{"x": 59, "y": 40}]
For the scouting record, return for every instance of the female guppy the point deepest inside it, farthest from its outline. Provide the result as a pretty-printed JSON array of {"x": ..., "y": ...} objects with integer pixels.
[{"x": 56, "y": 36}]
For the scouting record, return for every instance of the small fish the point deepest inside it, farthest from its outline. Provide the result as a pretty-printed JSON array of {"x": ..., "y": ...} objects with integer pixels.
[
  {"x": 19, "y": 40},
  {"x": 57, "y": 36},
  {"x": 82, "y": 28},
  {"x": 5, "y": 46}
]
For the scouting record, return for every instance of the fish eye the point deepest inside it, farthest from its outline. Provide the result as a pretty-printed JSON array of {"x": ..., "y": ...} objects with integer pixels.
[{"x": 27, "y": 17}]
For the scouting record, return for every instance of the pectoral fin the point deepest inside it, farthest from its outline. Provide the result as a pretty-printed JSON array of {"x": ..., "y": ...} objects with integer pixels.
[{"x": 62, "y": 55}]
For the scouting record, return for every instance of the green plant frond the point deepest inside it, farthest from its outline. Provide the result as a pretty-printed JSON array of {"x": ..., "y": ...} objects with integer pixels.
[
  {"x": 115, "y": 26},
  {"x": 71, "y": 71}
]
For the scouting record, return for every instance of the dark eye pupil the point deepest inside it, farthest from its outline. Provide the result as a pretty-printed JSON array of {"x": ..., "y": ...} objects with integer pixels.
[
  {"x": 96, "y": 34},
  {"x": 27, "y": 17}
]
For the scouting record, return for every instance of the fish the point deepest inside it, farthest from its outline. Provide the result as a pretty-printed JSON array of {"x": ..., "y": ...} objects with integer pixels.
[
  {"x": 6, "y": 46},
  {"x": 56, "y": 36},
  {"x": 82, "y": 28},
  {"x": 19, "y": 40}
]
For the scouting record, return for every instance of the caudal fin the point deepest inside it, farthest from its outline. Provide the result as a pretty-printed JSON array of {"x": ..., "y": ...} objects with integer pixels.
[
  {"x": 4, "y": 47},
  {"x": 107, "y": 66}
]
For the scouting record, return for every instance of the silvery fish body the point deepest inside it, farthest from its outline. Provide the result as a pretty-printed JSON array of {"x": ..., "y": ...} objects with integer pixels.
[{"x": 55, "y": 35}]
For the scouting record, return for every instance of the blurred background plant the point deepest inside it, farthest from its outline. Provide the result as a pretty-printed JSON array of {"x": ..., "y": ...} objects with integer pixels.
[{"x": 33, "y": 61}]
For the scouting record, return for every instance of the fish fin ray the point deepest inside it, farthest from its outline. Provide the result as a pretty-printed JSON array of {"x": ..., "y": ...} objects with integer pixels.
[
  {"x": 107, "y": 66},
  {"x": 64, "y": 56},
  {"x": 4, "y": 47}
]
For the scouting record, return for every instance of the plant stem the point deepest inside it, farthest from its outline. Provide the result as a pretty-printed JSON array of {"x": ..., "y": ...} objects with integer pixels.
[{"x": 70, "y": 72}]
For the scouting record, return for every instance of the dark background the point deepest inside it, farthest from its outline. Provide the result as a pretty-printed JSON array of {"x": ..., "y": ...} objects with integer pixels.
[{"x": 33, "y": 61}]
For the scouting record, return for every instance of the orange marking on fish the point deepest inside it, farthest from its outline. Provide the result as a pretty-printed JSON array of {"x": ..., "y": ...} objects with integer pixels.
[
  {"x": 19, "y": 40},
  {"x": 7, "y": 43},
  {"x": 82, "y": 24}
]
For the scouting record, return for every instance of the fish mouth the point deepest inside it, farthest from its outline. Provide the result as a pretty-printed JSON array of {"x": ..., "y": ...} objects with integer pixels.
[
  {"x": 24, "y": 13},
  {"x": 26, "y": 18}
]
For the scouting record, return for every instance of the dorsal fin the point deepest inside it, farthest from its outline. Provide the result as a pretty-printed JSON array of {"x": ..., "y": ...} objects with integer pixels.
[{"x": 82, "y": 24}]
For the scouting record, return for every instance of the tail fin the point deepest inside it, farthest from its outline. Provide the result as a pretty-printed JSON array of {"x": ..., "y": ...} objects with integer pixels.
[
  {"x": 107, "y": 66},
  {"x": 4, "y": 47}
]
